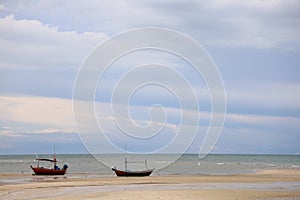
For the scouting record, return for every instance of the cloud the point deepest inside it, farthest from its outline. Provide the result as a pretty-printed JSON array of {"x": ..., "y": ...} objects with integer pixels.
[
  {"x": 39, "y": 111},
  {"x": 55, "y": 115},
  {"x": 232, "y": 23},
  {"x": 51, "y": 119},
  {"x": 227, "y": 23},
  {"x": 8, "y": 132},
  {"x": 53, "y": 131},
  {"x": 33, "y": 45},
  {"x": 2, "y": 7}
]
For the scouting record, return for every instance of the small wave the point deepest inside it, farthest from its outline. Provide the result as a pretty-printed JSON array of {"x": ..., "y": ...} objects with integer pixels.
[
  {"x": 295, "y": 166},
  {"x": 15, "y": 161},
  {"x": 220, "y": 163},
  {"x": 162, "y": 162}
]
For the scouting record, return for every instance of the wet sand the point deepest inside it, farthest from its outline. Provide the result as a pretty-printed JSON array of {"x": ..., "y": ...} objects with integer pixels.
[{"x": 270, "y": 184}]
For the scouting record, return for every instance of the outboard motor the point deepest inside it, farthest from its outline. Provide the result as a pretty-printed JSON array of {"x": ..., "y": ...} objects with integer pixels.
[{"x": 65, "y": 166}]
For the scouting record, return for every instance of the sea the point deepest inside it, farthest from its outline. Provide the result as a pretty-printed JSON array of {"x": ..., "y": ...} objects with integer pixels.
[{"x": 165, "y": 164}]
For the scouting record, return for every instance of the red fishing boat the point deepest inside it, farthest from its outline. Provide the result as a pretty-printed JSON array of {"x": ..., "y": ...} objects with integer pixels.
[
  {"x": 127, "y": 172},
  {"x": 55, "y": 170},
  {"x": 132, "y": 173}
]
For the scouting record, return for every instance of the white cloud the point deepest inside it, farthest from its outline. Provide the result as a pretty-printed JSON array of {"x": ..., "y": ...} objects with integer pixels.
[
  {"x": 49, "y": 112},
  {"x": 53, "y": 131},
  {"x": 8, "y": 132},
  {"x": 31, "y": 44},
  {"x": 55, "y": 115},
  {"x": 233, "y": 23},
  {"x": 2, "y": 7},
  {"x": 26, "y": 117}
]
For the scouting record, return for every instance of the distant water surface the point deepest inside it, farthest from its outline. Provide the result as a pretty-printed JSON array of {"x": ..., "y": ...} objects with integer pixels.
[{"x": 188, "y": 164}]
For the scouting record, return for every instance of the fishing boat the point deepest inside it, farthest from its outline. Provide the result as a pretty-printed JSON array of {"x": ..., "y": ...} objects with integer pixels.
[
  {"x": 52, "y": 169},
  {"x": 126, "y": 172},
  {"x": 132, "y": 173}
]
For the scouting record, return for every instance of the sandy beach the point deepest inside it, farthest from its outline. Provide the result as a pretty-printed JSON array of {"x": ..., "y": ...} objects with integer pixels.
[{"x": 268, "y": 184}]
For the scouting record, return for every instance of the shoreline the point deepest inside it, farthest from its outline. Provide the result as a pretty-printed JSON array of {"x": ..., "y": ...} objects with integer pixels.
[{"x": 279, "y": 183}]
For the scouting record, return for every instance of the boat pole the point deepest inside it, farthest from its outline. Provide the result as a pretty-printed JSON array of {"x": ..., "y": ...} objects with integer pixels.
[
  {"x": 146, "y": 164},
  {"x": 125, "y": 159},
  {"x": 54, "y": 157}
]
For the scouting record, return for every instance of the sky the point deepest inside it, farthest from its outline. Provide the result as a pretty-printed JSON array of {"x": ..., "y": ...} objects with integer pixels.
[{"x": 254, "y": 44}]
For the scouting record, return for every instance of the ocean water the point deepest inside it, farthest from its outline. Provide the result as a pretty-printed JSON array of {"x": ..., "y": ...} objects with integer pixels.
[{"x": 188, "y": 164}]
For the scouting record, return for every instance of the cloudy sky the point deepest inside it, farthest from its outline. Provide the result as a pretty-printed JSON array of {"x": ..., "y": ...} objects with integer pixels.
[{"x": 255, "y": 45}]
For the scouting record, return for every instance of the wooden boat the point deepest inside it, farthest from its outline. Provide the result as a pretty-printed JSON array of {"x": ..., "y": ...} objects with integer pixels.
[
  {"x": 132, "y": 173},
  {"x": 55, "y": 170},
  {"x": 127, "y": 172}
]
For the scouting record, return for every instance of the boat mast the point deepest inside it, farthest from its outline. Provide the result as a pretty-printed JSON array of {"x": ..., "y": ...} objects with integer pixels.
[
  {"x": 37, "y": 158},
  {"x": 125, "y": 159},
  {"x": 146, "y": 164},
  {"x": 54, "y": 158}
]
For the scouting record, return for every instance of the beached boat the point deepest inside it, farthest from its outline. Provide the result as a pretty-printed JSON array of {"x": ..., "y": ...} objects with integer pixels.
[
  {"x": 55, "y": 170},
  {"x": 132, "y": 173},
  {"x": 127, "y": 172}
]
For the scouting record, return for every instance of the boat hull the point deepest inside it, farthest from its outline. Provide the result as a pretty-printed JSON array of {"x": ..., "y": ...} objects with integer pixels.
[
  {"x": 46, "y": 171},
  {"x": 133, "y": 173}
]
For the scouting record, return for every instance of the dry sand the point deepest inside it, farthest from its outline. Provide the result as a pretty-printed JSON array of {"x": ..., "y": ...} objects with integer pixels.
[{"x": 270, "y": 184}]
